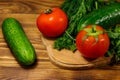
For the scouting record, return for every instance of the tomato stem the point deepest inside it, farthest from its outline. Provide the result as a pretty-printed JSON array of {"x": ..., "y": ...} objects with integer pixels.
[
  {"x": 93, "y": 32},
  {"x": 48, "y": 11},
  {"x": 94, "y": 29}
]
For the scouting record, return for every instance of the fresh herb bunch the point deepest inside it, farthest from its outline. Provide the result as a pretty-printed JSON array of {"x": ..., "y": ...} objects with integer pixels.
[
  {"x": 75, "y": 9},
  {"x": 114, "y": 49}
]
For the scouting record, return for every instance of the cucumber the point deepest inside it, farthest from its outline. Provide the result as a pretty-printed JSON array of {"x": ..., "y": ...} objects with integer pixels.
[
  {"x": 18, "y": 42},
  {"x": 106, "y": 17}
]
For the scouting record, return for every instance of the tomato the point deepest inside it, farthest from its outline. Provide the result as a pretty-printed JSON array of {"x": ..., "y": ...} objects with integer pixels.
[
  {"x": 52, "y": 22},
  {"x": 92, "y": 42}
]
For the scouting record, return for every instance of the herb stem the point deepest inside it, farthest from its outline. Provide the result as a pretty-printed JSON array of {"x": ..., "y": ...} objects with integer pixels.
[
  {"x": 96, "y": 4},
  {"x": 70, "y": 36}
]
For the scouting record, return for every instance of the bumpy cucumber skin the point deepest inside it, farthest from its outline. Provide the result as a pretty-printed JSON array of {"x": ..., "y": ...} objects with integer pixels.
[
  {"x": 18, "y": 42},
  {"x": 106, "y": 17}
]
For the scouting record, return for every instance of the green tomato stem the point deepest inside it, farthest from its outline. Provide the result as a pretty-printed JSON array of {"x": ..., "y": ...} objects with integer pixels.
[
  {"x": 93, "y": 32},
  {"x": 48, "y": 11}
]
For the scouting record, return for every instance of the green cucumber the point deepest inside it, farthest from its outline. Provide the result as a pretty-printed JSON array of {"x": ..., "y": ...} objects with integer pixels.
[
  {"x": 106, "y": 17},
  {"x": 18, "y": 42}
]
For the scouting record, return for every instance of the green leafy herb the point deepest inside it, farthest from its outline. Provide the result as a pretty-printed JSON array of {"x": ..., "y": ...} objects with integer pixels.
[
  {"x": 114, "y": 49},
  {"x": 75, "y": 9}
]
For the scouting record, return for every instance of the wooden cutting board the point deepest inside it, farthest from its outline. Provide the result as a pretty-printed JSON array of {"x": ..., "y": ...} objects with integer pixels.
[{"x": 68, "y": 59}]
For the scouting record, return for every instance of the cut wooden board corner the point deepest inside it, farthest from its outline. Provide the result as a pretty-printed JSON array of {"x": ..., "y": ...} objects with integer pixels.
[{"x": 69, "y": 60}]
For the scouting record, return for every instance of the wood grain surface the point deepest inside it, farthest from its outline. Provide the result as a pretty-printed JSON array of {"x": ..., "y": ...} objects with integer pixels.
[{"x": 26, "y": 11}]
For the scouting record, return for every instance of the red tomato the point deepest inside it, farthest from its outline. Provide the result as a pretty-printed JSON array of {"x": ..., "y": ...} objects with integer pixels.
[
  {"x": 92, "y": 42},
  {"x": 52, "y": 23}
]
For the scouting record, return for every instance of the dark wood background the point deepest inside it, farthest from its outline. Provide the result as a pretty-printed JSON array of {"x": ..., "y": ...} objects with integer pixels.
[{"x": 26, "y": 11}]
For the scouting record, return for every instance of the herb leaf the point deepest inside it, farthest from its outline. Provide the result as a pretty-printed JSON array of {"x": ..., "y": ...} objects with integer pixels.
[
  {"x": 75, "y": 9},
  {"x": 114, "y": 49}
]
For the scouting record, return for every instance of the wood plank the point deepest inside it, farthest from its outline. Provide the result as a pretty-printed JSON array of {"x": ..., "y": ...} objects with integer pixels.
[
  {"x": 15, "y": 73},
  {"x": 27, "y": 6}
]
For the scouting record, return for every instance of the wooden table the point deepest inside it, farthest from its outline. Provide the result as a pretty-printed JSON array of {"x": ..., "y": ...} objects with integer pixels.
[{"x": 26, "y": 11}]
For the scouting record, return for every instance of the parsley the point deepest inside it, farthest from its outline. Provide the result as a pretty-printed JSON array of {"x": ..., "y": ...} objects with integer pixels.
[
  {"x": 114, "y": 49},
  {"x": 75, "y": 9}
]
